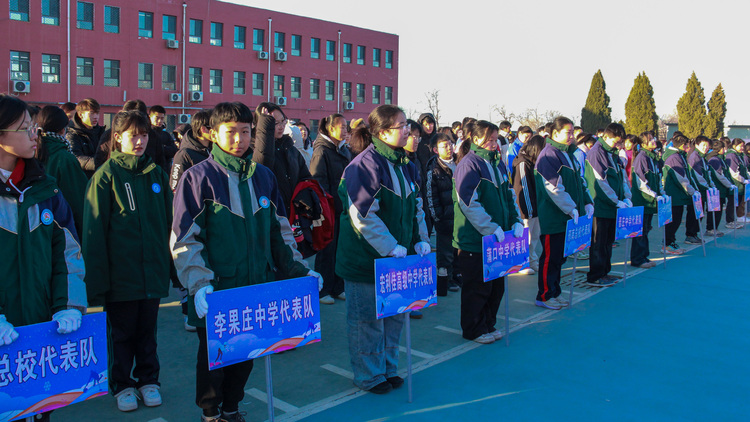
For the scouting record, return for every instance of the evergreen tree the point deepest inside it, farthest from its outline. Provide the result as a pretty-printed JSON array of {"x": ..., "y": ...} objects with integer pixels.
[
  {"x": 640, "y": 108},
  {"x": 717, "y": 110},
  {"x": 691, "y": 111},
  {"x": 596, "y": 113}
]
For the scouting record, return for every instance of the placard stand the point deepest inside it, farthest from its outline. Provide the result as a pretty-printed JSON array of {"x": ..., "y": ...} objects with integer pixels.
[
  {"x": 573, "y": 278},
  {"x": 407, "y": 323},
  {"x": 507, "y": 312},
  {"x": 664, "y": 244},
  {"x": 269, "y": 387},
  {"x": 627, "y": 256}
]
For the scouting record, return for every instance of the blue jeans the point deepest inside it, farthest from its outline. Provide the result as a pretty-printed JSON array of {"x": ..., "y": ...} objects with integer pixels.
[{"x": 373, "y": 343}]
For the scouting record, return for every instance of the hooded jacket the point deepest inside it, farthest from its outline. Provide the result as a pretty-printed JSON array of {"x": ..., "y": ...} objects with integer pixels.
[
  {"x": 524, "y": 184},
  {"x": 424, "y": 148},
  {"x": 63, "y": 166},
  {"x": 606, "y": 179},
  {"x": 191, "y": 153},
  {"x": 676, "y": 178},
  {"x": 645, "y": 181},
  {"x": 329, "y": 159},
  {"x": 83, "y": 143},
  {"x": 439, "y": 193}
]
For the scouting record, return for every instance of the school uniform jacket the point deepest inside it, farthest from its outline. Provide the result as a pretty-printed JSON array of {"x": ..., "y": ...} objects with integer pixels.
[
  {"x": 606, "y": 179},
  {"x": 524, "y": 185},
  {"x": 484, "y": 199},
  {"x": 697, "y": 163},
  {"x": 41, "y": 266},
  {"x": 718, "y": 169},
  {"x": 382, "y": 209},
  {"x": 645, "y": 181},
  {"x": 737, "y": 169},
  {"x": 678, "y": 183},
  {"x": 64, "y": 167}
]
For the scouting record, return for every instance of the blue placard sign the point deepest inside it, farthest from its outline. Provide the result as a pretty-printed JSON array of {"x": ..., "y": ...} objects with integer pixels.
[
  {"x": 44, "y": 370},
  {"x": 629, "y": 222},
  {"x": 747, "y": 194},
  {"x": 698, "y": 204},
  {"x": 578, "y": 236},
  {"x": 713, "y": 199},
  {"x": 507, "y": 257},
  {"x": 736, "y": 195},
  {"x": 249, "y": 322},
  {"x": 664, "y": 211},
  {"x": 405, "y": 284}
]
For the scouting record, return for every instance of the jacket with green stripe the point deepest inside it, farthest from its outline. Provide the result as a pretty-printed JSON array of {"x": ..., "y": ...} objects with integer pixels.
[
  {"x": 484, "y": 199},
  {"x": 606, "y": 179},
  {"x": 560, "y": 189},
  {"x": 382, "y": 209},
  {"x": 699, "y": 171},
  {"x": 737, "y": 171},
  {"x": 230, "y": 228},
  {"x": 717, "y": 167},
  {"x": 676, "y": 177},
  {"x": 645, "y": 181},
  {"x": 42, "y": 267},
  {"x": 126, "y": 223},
  {"x": 61, "y": 164}
]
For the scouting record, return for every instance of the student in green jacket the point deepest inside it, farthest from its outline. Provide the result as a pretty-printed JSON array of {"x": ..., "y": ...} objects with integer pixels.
[{"x": 127, "y": 218}]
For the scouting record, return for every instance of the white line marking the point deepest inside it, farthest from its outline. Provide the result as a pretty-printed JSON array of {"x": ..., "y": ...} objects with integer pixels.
[
  {"x": 277, "y": 403},
  {"x": 510, "y": 318},
  {"x": 158, "y": 420},
  {"x": 448, "y": 329},
  {"x": 338, "y": 371},
  {"x": 417, "y": 353},
  {"x": 567, "y": 292},
  {"x": 528, "y": 302}
]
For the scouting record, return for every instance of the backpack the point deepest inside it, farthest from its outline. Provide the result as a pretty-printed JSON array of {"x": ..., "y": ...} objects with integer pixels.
[{"x": 312, "y": 217}]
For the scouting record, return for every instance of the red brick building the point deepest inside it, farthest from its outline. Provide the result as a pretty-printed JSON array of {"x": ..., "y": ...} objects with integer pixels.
[{"x": 192, "y": 55}]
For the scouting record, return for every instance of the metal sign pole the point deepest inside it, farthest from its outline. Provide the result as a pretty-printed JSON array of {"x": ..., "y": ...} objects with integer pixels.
[
  {"x": 507, "y": 312},
  {"x": 573, "y": 278},
  {"x": 703, "y": 241},
  {"x": 269, "y": 387},
  {"x": 625, "y": 267},
  {"x": 664, "y": 244},
  {"x": 408, "y": 357}
]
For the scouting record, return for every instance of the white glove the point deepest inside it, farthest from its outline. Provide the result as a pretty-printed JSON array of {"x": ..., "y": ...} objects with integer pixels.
[
  {"x": 621, "y": 204},
  {"x": 574, "y": 215},
  {"x": 398, "y": 252},
  {"x": 422, "y": 248},
  {"x": 589, "y": 210},
  {"x": 517, "y": 230},
  {"x": 201, "y": 305},
  {"x": 746, "y": 181},
  {"x": 319, "y": 277},
  {"x": 499, "y": 234},
  {"x": 659, "y": 198},
  {"x": 628, "y": 202},
  {"x": 68, "y": 320},
  {"x": 734, "y": 187},
  {"x": 7, "y": 333}
]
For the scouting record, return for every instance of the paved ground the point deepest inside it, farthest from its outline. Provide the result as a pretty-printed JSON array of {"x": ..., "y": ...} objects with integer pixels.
[{"x": 670, "y": 344}]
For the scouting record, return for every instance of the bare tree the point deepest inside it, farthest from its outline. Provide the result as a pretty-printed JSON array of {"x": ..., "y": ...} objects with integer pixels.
[
  {"x": 433, "y": 104},
  {"x": 503, "y": 113}
]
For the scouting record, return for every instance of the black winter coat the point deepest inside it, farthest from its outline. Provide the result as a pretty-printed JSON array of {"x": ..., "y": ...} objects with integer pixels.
[
  {"x": 439, "y": 195},
  {"x": 191, "y": 153},
  {"x": 327, "y": 166},
  {"x": 524, "y": 184},
  {"x": 83, "y": 142}
]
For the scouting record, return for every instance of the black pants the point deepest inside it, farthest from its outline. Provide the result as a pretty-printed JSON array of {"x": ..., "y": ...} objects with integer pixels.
[
  {"x": 741, "y": 205},
  {"x": 712, "y": 216},
  {"x": 220, "y": 389},
  {"x": 550, "y": 266},
  {"x": 692, "y": 225},
  {"x": 445, "y": 255},
  {"x": 671, "y": 229},
  {"x": 600, "y": 254},
  {"x": 131, "y": 334},
  {"x": 480, "y": 300},
  {"x": 639, "y": 249},
  {"x": 730, "y": 216},
  {"x": 325, "y": 264}
]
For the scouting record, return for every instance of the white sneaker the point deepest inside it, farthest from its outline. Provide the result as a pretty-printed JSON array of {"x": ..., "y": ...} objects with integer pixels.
[
  {"x": 527, "y": 271},
  {"x": 497, "y": 335},
  {"x": 127, "y": 401},
  {"x": 150, "y": 394},
  {"x": 485, "y": 339},
  {"x": 342, "y": 296},
  {"x": 189, "y": 327},
  {"x": 560, "y": 301},
  {"x": 327, "y": 300}
]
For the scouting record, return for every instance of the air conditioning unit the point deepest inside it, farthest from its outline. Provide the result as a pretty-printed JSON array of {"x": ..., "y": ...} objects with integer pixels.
[
  {"x": 348, "y": 105},
  {"x": 281, "y": 101},
  {"x": 183, "y": 119},
  {"x": 21, "y": 86},
  {"x": 175, "y": 97},
  {"x": 173, "y": 44},
  {"x": 196, "y": 96},
  {"x": 263, "y": 55},
  {"x": 280, "y": 56}
]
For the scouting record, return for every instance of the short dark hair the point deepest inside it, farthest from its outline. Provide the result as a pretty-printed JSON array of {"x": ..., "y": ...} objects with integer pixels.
[
  {"x": 125, "y": 120},
  {"x": 504, "y": 125},
  {"x": 230, "y": 112},
  {"x": 737, "y": 141},
  {"x": 678, "y": 140},
  {"x": 135, "y": 105},
  {"x": 200, "y": 120},
  {"x": 701, "y": 139},
  {"x": 157, "y": 109},
  {"x": 68, "y": 107},
  {"x": 558, "y": 124},
  {"x": 88, "y": 104},
  {"x": 615, "y": 130},
  {"x": 52, "y": 119},
  {"x": 11, "y": 110},
  {"x": 525, "y": 129}
]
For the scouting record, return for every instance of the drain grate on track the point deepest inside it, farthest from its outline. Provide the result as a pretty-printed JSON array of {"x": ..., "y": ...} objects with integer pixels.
[{"x": 579, "y": 282}]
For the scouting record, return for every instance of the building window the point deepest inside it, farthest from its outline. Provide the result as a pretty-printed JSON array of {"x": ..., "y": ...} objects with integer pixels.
[
  {"x": 360, "y": 93},
  {"x": 314, "y": 89},
  {"x": 112, "y": 19},
  {"x": 19, "y": 10},
  {"x": 278, "y": 86},
  {"x": 217, "y": 33},
  {"x": 239, "y": 37},
  {"x": 389, "y": 95},
  {"x": 388, "y": 59},
  {"x": 239, "y": 83},
  {"x": 146, "y": 24},
  {"x": 375, "y": 57},
  {"x": 258, "y": 83},
  {"x": 296, "y": 45},
  {"x": 51, "y": 68},
  {"x": 169, "y": 77},
  {"x": 258, "y": 39},
  {"x": 169, "y": 27},
  {"x": 346, "y": 91},
  {"x": 111, "y": 72},
  {"x": 279, "y": 39},
  {"x": 376, "y": 94},
  {"x": 314, "y": 48},
  {"x": 331, "y": 50},
  {"x": 296, "y": 87},
  {"x": 195, "y": 79},
  {"x": 85, "y": 13},
  {"x": 84, "y": 70},
  {"x": 347, "y": 53},
  {"x": 314, "y": 124},
  {"x": 50, "y": 12},
  {"x": 330, "y": 90},
  {"x": 145, "y": 75},
  {"x": 196, "y": 31},
  {"x": 361, "y": 53},
  {"x": 20, "y": 67},
  {"x": 214, "y": 81}
]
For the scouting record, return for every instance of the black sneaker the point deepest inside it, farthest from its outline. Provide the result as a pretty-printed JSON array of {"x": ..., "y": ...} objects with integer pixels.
[
  {"x": 693, "y": 240},
  {"x": 382, "y": 388},
  {"x": 234, "y": 416},
  {"x": 605, "y": 281},
  {"x": 395, "y": 382}
]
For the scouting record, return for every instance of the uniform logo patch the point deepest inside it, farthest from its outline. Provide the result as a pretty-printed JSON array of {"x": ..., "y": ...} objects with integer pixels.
[
  {"x": 264, "y": 202},
  {"x": 412, "y": 186},
  {"x": 156, "y": 188},
  {"x": 46, "y": 217}
]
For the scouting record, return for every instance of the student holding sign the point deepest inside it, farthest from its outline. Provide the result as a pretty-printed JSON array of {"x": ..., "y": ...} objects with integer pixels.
[
  {"x": 717, "y": 169},
  {"x": 699, "y": 167},
  {"x": 485, "y": 204},
  {"x": 561, "y": 195},
  {"x": 647, "y": 191},
  {"x": 738, "y": 171},
  {"x": 679, "y": 186},
  {"x": 229, "y": 230},
  {"x": 383, "y": 216},
  {"x": 608, "y": 186}
]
